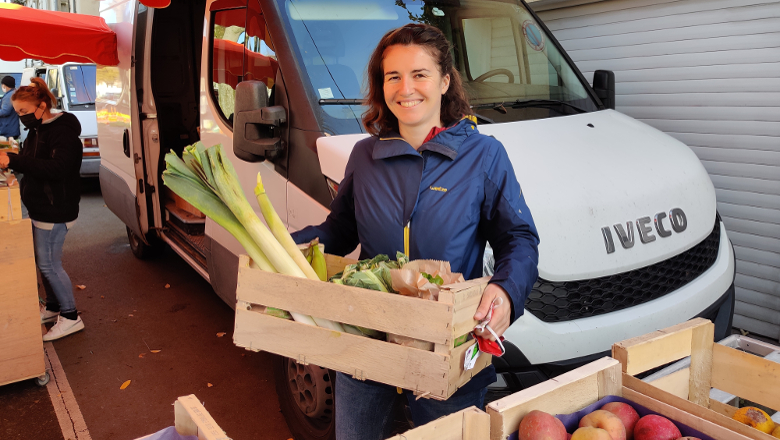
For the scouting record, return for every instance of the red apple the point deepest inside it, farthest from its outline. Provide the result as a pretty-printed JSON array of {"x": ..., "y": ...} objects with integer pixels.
[
  {"x": 653, "y": 427},
  {"x": 606, "y": 421},
  {"x": 538, "y": 425}
]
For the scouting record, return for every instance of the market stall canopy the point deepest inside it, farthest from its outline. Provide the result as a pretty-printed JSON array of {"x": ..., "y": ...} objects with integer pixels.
[
  {"x": 156, "y": 3},
  {"x": 55, "y": 37}
]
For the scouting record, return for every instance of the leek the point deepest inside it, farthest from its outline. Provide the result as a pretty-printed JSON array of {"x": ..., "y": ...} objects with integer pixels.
[{"x": 277, "y": 227}]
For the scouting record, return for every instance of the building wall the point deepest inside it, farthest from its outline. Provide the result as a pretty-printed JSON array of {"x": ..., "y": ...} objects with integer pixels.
[{"x": 708, "y": 73}]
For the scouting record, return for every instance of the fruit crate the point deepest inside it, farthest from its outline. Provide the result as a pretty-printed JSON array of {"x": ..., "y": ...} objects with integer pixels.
[
  {"x": 192, "y": 419},
  {"x": 712, "y": 365},
  {"x": 433, "y": 374},
  {"x": 468, "y": 424},
  {"x": 578, "y": 390}
]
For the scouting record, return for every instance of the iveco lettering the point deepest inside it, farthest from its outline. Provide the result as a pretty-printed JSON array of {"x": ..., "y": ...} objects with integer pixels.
[{"x": 676, "y": 219}]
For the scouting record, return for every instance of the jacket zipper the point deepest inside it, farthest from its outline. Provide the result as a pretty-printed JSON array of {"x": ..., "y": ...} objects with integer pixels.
[{"x": 407, "y": 231}]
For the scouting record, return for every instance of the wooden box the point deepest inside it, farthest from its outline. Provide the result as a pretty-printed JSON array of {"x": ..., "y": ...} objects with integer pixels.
[
  {"x": 10, "y": 201},
  {"x": 21, "y": 345},
  {"x": 711, "y": 366},
  {"x": 573, "y": 391},
  {"x": 468, "y": 424},
  {"x": 433, "y": 374},
  {"x": 191, "y": 418}
]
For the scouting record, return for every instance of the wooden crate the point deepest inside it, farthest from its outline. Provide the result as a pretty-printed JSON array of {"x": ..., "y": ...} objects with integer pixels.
[
  {"x": 21, "y": 345},
  {"x": 712, "y": 365},
  {"x": 10, "y": 201},
  {"x": 433, "y": 374},
  {"x": 575, "y": 390},
  {"x": 468, "y": 424},
  {"x": 191, "y": 418}
]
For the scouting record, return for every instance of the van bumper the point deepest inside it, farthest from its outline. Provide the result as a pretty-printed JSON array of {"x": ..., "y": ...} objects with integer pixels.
[
  {"x": 90, "y": 167},
  {"x": 538, "y": 350}
]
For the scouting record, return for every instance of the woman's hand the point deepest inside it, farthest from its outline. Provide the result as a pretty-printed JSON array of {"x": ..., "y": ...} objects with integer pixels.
[{"x": 502, "y": 315}]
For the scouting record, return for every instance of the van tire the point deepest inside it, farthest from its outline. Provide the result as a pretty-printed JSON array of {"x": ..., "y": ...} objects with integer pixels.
[
  {"x": 318, "y": 387},
  {"x": 141, "y": 250}
]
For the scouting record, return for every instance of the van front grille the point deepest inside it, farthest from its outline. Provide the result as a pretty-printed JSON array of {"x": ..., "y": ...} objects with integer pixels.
[{"x": 564, "y": 301}]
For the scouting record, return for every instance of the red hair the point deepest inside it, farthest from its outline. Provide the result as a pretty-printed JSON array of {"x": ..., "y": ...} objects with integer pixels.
[{"x": 36, "y": 93}]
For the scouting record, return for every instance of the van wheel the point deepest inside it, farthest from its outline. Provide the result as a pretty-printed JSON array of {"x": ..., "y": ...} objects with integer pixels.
[
  {"x": 140, "y": 249},
  {"x": 306, "y": 399}
]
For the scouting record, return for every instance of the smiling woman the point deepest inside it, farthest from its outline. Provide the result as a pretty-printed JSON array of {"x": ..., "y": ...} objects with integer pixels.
[{"x": 427, "y": 164}]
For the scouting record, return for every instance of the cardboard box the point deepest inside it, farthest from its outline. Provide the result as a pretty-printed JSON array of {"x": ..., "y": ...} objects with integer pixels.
[
  {"x": 468, "y": 424},
  {"x": 712, "y": 365},
  {"x": 432, "y": 374},
  {"x": 10, "y": 200}
]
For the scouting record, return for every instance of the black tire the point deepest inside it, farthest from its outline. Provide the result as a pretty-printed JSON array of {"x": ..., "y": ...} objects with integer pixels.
[
  {"x": 140, "y": 249},
  {"x": 306, "y": 399}
]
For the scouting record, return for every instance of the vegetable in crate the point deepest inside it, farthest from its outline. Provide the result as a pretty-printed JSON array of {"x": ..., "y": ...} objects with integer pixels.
[{"x": 205, "y": 178}]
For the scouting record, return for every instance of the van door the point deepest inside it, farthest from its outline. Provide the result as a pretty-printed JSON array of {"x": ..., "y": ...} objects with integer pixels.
[
  {"x": 122, "y": 173},
  {"x": 239, "y": 48}
]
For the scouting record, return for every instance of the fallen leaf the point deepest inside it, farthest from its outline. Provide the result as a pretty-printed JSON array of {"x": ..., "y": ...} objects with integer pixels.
[
  {"x": 209, "y": 385},
  {"x": 155, "y": 351},
  {"x": 221, "y": 334},
  {"x": 125, "y": 385},
  {"x": 167, "y": 286},
  {"x": 81, "y": 286},
  {"x": 102, "y": 297},
  {"x": 142, "y": 355},
  {"x": 130, "y": 314}
]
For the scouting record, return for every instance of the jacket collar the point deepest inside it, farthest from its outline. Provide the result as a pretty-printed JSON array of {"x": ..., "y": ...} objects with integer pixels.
[{"x": 445, "y": 143}]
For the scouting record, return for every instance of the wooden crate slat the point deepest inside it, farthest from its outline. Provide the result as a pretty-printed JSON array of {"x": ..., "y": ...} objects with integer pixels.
[
  {"x": 563, "y": 394},
  {"x": 361, "y": 357},
  {"x": 643, "y": 353},
  {"x": 413, "y": 317},
  {"x": 677, "y": 383},
  {"x": 10, "y": 203},
  {"x": 700, "y": 380},
  {"x": 684, "y": 411},
  {"x": 458, "y": 377},
  {"x": 191, "y": 418},
  {"x": 467, "y": 424},
  {"x": 746, "y": 375},
  {"x": 21, "y": 345},
  {"x": 466, "y": 301}
]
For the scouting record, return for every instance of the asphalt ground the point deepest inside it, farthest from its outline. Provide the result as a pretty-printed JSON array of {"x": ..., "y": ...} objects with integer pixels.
[{"x": 155, "y": 323}]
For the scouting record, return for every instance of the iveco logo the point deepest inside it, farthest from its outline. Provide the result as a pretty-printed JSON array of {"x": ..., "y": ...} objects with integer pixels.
[{"x": 677, "y": 220}]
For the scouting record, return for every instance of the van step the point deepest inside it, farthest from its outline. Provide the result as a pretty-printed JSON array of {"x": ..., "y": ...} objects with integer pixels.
[{"x": 182, "y": 215}]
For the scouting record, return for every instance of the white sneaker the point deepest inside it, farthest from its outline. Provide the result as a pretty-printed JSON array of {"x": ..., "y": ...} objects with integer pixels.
[
  {"x": 63, "y": 327},
  {"x": 48, "y": 316}
]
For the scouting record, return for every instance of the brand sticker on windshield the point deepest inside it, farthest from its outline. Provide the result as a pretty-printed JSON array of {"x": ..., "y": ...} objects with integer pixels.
[{"x": 326, "y": 93}]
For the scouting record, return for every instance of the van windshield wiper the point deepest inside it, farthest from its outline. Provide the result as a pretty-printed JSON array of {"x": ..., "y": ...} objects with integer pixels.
[{"x": 545, "y": 103}]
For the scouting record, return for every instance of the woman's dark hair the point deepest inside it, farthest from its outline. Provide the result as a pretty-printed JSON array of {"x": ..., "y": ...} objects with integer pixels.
[
  {"x": 36, "y": 92},
  {"x": 378, "y": 119}
]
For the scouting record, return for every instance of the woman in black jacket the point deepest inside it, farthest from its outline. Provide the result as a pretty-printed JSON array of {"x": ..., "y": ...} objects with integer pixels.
[{"x": 50, "y": 161}]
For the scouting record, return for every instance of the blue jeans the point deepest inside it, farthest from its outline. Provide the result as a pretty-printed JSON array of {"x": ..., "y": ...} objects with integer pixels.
[
  {"x": 363, "y": 408},
  {"x": 48, "y": 258}
]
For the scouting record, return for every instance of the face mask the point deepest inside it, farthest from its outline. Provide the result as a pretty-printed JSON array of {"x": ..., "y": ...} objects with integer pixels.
[{"x": 30, "y": 120}]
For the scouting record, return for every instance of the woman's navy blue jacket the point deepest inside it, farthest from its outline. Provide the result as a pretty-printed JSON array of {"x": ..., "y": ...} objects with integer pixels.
[{"x": 442, "y": 202}]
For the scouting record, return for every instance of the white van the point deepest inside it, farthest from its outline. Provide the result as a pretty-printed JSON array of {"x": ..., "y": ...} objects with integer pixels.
[
  {"x": 630, "y": 238},
  {"x": 74, "y": 86}
]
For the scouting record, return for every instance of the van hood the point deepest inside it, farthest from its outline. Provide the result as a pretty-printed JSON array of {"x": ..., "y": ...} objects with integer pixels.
[
  {"x": 88, "y": 121},
  {"x": 586, "y": 172}
]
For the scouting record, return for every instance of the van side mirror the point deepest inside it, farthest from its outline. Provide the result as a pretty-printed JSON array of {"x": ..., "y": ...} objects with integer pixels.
[
  {"x": 604, "y": 86},
  {"x": 255, "y": 124}
]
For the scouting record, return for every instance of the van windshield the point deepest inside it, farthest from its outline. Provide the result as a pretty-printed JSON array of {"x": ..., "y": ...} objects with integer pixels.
[
  {"x": 511, "y": 69},
  {"x": 80, "y": 83}
]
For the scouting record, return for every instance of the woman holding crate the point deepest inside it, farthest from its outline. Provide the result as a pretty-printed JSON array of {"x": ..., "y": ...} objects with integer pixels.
[
  {"x": 50, "y": 189},
  {"x": 429, "y": 184}
]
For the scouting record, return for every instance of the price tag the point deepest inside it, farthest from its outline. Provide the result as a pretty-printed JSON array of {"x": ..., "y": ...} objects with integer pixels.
[{"x": 471, "y": 357}]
